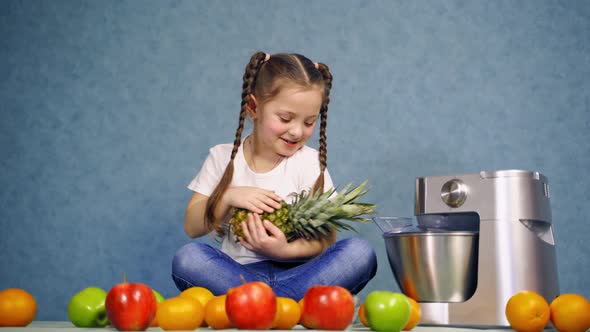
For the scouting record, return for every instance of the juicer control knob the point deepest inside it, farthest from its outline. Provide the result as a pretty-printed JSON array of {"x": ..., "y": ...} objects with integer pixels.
[{"x": 454, "y": 193}]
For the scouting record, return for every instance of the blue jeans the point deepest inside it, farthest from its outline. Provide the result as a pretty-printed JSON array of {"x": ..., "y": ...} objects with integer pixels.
[{"x": 349, "y": 263}]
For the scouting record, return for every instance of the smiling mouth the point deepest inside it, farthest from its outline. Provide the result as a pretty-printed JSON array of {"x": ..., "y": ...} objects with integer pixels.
[{"x": 290, "y": 142}]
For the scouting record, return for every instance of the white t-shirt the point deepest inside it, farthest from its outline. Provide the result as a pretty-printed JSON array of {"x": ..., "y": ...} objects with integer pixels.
[{"x": 294, "y": 174}]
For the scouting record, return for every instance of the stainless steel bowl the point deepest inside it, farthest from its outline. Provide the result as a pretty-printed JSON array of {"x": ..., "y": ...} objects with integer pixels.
[{"x": 434, "y": 266}]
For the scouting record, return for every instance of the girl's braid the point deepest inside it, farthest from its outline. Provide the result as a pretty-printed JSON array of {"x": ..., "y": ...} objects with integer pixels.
[
  {"x": 247, "y": 87},
  {"x": 325, "y": 71},
  {"x": 249, "y": 80}
]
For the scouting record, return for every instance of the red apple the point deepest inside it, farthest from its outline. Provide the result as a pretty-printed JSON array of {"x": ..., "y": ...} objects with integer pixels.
[
  {"x": 131, "y": 306},
  {"x": 251, "y": 306},
  {"x": 327, "y": 308}
]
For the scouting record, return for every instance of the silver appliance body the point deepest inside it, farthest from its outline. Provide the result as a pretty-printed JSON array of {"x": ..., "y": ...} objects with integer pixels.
[{"x": 515, "y": 251}]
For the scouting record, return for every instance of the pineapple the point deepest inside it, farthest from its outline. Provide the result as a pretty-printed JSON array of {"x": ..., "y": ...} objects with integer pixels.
[{"x": 313, "y": 216}]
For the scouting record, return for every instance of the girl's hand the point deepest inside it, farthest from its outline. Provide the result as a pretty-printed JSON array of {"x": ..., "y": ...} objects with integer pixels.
[
  {"x": 253, "y": 199},
  {"x": 258, "y": 240}
]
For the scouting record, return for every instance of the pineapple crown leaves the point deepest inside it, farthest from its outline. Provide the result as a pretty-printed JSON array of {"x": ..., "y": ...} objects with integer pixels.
[
  {"x": 331, "y": 206},
  {"x": 315, "y": 215}
]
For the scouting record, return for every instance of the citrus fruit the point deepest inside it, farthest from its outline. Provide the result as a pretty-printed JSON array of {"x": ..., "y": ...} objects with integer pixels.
[
  {"x": 215, "y": 314},
  {"x": 570, "y": 313},
  {"x": 201, "y": 294},
  {"x": 415, "y": 314},
  {"x": 527, "y": 311},
  {"x": 180, "y": 313},
  {"x": 363, "y": 316},
  {"x": 159, "y": 299},
  {"x": 300, "y": 302},
  {"x": 287, "y": 315},
  {"x": 154, "y": 322},
  {"x": 17, "y": 307}
]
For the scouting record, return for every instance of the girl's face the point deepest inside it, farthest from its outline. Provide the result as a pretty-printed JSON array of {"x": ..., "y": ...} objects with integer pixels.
[{"x": 284, "y": 123}]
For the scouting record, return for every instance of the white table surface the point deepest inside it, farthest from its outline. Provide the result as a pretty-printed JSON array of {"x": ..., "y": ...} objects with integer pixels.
[{"x": 54, "y": 326}]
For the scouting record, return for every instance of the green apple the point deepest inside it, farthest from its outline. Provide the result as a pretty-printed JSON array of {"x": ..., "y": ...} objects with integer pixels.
[
  {"x": 387, "y": 311},
  {"x": 159, "y": 297},
  {"x": 87, "y": 308}
]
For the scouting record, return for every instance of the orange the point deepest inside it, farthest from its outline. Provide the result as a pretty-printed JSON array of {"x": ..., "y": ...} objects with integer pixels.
[
  {"x": 201, "y": 294},
  {"x": 288, "y": 314},
  {"x": 300, "y": 302},
  {"x": 415, "y": 314},
  {"x": 527, "y": 311},
  {"x": 215, "y": 314},
  {"x": 570, "y": 313},
  {"x": 362, "y": 316},
  {"x": 154, "y": 322},
  {"x": 17, "y": 307},
  {"x": 180, "y": 313}
]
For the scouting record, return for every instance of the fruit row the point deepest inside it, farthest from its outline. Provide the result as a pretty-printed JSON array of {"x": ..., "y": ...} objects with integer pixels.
[{"x": 253, "y": 305}]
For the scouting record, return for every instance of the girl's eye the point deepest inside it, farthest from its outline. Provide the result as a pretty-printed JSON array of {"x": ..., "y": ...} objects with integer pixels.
[
  {"x": 285, "y": 120},
  {"x": 309, "y": 124}
]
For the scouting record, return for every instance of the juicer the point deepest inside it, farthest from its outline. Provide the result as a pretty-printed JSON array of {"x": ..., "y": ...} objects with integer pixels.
[{"x": 478, "y": 239}]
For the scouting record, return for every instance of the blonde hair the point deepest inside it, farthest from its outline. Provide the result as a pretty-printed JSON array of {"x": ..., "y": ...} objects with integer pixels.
[{"x": 264, "y": 77}]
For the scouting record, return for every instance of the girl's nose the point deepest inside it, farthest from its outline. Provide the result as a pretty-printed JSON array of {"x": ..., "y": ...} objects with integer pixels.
[{"x": 296, "y": 131}]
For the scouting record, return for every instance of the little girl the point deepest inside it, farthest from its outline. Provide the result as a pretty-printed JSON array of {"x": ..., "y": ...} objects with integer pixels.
[{"x": 283, "y": 95}]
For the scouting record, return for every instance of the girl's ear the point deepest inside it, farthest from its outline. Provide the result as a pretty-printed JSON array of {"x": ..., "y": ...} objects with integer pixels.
[{"x": 252, "y": 107}]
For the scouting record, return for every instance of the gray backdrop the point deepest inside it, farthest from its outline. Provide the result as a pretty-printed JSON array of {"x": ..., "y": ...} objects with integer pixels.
[{"x": 108, "y": 109}]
